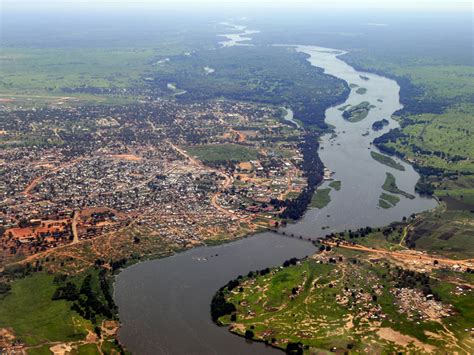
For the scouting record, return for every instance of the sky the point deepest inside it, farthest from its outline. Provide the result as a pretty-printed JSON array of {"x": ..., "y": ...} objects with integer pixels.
[{"x": 161, "y": 4}]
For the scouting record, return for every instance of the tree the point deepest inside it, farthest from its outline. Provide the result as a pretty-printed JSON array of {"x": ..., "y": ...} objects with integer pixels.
[
  {"x": 294, "y": 348},
  {"x": 249, "y": 334},
  {"x": 97, "y": 331},
  {"x": 220, "y": 307}
]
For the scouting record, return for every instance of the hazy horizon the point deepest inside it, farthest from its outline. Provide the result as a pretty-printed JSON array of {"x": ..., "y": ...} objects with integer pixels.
[{"x": 230, "y": 4}]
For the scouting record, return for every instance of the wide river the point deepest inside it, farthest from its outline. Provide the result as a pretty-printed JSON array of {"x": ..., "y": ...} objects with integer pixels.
[{"x": 164, "y": 305}]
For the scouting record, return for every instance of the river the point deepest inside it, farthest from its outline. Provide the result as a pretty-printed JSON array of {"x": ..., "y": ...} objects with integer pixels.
[
  {"x": 164, "y": 305},
  {"x": 347, "y": 155},
  {"x": 236, "y": 39}
]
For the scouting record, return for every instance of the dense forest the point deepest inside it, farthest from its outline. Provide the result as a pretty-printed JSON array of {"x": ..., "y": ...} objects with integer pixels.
[
  {"x": 313, "y": 168},
  {"x": 269, "y": 75}
]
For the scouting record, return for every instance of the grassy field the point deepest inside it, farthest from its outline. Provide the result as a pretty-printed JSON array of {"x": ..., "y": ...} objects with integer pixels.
[
  {"x": 337, "y": 306},
  {"x": 321, "y": 198},
  {"x": 37, "y": 76},
  {"x": 386, "y": 160},
  {"x": 450, "y": 134},
  {"x": 443, "y": 232},
  {"x": 30, "y": 70},
  {"x": 458, "y": 192},
  {"x": 223, "y": 152},
  {"x": 446, "y": 81},
  {"x": 390, "y": 185},
  {"x": 35, "y": 318}
]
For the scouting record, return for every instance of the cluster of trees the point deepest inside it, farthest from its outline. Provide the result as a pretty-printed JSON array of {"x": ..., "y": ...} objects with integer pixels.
[
  {"x": 117, "y": 264},
  {"x": 391, "y": 136},
  {"x": 424, "y": 186},
  {"x": 17, "y": 271},
  {"x": 258, "y": 272},
  {"x": 87, "y": 302},
  {"x": 412, "y": 279},
  {"x": 295, "y": 348},
  {"x": 313, "y": 168},
  {"x": 414, "y": 100},
  {"x": 361, "y": 232},
  {"x": 378, "y": 125},
  {"x": 289, "y": 262},
  {"x": 220, "y": 307}
]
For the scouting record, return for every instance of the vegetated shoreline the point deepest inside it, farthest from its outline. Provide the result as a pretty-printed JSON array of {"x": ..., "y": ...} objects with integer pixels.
[{"x": 362, "y": 70}]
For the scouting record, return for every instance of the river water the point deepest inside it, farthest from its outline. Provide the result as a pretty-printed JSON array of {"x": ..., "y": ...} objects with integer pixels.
[
  {"x": 347, "y": 155},
  {"x": 164, "y": 305},
  {"x": 236, "y": 39}
]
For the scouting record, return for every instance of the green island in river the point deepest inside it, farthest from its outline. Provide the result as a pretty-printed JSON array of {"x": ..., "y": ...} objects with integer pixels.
[
  {"x": 386, "y": 160},
  {"x": 387, "y": 200},
  {"x": 336, "y": 185},
  {"x": 358, "y": 112},
  {"x": 390, "y": 185},
  {"x": 321, "y": 198}
]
